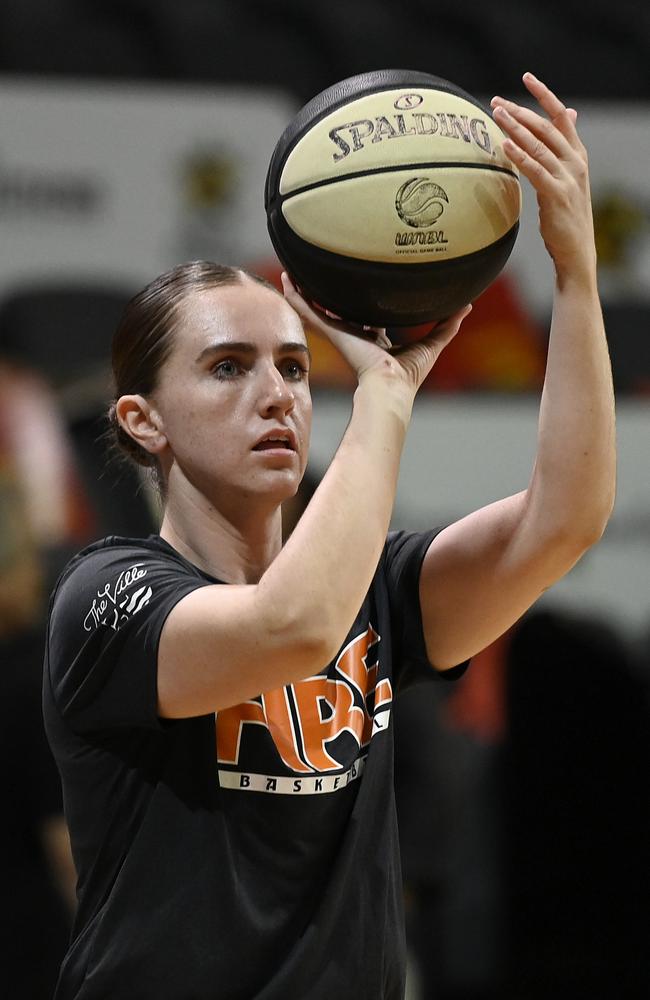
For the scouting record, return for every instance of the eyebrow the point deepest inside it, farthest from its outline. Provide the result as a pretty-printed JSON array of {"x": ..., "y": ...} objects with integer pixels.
[{"x": 245, "y": 347}]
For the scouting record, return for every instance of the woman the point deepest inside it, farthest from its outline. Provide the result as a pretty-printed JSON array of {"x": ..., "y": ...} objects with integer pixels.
[{"x": 269, "y": 868}]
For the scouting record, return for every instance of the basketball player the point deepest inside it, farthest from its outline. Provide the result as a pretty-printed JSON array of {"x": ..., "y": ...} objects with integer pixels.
[{"x": 257, "y": 857}]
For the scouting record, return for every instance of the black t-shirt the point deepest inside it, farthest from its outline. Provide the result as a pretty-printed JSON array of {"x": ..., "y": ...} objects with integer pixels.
[{"x": 254, "y": 859}]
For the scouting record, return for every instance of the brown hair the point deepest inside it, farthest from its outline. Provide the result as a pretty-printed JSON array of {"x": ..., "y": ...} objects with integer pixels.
[{"x": 145, "y": 335}]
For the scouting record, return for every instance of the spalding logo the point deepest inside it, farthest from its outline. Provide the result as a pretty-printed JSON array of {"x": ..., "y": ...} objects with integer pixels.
[
  {"x": 419, "y": 202},
  {"x": 406, "y": 102}
]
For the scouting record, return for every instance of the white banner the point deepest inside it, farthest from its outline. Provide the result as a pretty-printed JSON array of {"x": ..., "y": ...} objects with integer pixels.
[{"x": 116, "y": 183}]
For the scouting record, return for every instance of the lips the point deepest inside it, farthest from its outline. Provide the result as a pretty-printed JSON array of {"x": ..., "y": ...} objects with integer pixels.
[{"x": 277, "y": 440}]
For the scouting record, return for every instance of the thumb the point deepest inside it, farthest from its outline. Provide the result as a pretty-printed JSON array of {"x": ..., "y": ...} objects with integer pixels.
[
  {"x": 420, "y": 357},
  {"x": 444, "y": 331}
]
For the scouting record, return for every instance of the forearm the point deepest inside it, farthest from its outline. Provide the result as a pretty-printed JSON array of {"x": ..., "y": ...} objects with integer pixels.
[
  {"x": 327, "y": 565},
  {"x": 323, "y": 573},
  {"x": 573, "y": 484}
]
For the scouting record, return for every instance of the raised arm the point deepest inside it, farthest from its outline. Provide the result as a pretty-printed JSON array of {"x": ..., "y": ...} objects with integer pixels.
[
  {"x": 222, "y": 645},
  {"x": 482, "y": 573}
]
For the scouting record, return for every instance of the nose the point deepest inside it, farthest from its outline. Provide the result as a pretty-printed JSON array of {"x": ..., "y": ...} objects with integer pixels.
[{"x": 276, "y": 394}]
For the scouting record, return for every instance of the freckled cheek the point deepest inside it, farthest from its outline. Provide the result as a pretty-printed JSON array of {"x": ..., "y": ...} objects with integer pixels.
[
  {"x": 303, "y": 427},
  {"x": 194, "y": 427}
]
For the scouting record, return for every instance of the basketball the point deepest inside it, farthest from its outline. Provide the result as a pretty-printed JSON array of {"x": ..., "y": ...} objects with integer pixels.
[{"x": 389, "y": 199}]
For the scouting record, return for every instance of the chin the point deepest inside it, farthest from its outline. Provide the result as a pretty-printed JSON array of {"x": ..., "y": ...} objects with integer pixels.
[{"x": 275, "y": 488}]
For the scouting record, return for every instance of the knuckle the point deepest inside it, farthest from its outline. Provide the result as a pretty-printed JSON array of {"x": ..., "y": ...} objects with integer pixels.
[
  {"x": 538, "y": 149},
  {"x": 581, "y": 169}
]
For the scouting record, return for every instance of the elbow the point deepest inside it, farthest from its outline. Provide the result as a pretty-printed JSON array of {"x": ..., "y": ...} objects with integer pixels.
[
  {"x": 306, "y": 636},
  {"x": 561, "y": 542},
  {"x": 577, "y": 536},
  {"x": 576, "y": 523},
  {"x": 320, "y": 641},
  {"x": 309, "y": 650},
  {"x": 592, "y": 526}
]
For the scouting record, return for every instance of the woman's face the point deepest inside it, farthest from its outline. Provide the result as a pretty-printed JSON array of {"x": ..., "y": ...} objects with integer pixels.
[{"x": 233, "y": 396}]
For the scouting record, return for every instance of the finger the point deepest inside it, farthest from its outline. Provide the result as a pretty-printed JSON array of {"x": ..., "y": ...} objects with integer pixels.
[
  {"x": 552, "y": 105},
  {"x": 318, "y": 320},
  {"x": 542, "y": 180},
  {"x": 291, "y": 293},
  {"x": 378, "y": 335},
  {"x": 507, "y": 113},
  {"x": 286, "y": 281},
  {"x": 322, "y": 320},
  {"x": 446, "y": 329},
  {"x": 522, "y": 143},
  {"x": 383, "y": 340},
  {"x": 368, "y": 333}
]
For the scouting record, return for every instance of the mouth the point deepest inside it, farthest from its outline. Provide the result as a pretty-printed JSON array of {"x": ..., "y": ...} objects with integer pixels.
[{"x": 283, "y": 440}]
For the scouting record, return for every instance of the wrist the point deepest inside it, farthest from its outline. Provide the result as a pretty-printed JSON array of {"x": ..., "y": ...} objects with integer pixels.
[
  {"x": 578, "y": 272},
  {"x": 384, "y": 392}
]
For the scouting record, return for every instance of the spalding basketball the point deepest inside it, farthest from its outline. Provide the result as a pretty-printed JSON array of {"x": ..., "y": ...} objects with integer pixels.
[{"x": 389, "y": 199}]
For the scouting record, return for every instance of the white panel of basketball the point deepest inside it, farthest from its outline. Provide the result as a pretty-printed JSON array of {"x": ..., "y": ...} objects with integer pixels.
[
  {"x": 401, "y": 177},
  {"x": 363, "y": 219}
]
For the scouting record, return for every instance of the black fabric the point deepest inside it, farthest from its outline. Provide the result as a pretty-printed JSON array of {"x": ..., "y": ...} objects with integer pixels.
[{"x": 267, "y": 869}]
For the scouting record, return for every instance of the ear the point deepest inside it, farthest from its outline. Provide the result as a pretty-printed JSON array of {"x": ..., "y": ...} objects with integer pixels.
[{"x": 142, "y": 422}]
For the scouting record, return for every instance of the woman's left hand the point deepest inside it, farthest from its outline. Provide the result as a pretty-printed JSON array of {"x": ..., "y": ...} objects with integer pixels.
[{"x": 548, "y": 151}]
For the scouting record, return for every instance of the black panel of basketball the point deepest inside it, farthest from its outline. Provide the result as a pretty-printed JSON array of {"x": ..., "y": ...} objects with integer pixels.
[
  {"x": 390, "y": 294},
  {"x": 389, "y": 199}
]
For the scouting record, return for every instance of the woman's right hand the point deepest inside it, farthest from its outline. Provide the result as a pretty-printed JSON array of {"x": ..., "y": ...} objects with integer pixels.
[{"x": 368, "y": 350}]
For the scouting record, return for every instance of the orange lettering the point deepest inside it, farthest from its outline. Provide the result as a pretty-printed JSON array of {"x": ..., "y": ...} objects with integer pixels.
[
  {"x": 230, "y": 722},
  {"x": 273, "y": 713},
  {"x": 324, "y": 707},
  {"x": 314, "y": 697},
  {"x": 280, "y": 723}
]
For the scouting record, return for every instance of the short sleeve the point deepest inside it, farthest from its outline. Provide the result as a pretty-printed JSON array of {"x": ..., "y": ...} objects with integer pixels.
[
  {"x": 106, "y": 617},
  {"x": 404, "y": 555}
]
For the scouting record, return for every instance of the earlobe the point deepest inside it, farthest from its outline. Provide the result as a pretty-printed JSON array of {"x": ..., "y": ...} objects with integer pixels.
[{"x": 142, "y": 422}]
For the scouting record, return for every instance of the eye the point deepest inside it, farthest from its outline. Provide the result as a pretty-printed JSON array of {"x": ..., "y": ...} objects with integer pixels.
[
  {"x": 294, "y": 370},
  {"x": 229, "y": 368}
]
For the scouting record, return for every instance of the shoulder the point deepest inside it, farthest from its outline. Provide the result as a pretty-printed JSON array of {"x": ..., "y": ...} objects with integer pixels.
[
  {"x": 114, "y": 577},
  {"x": 106, "y": 615}
]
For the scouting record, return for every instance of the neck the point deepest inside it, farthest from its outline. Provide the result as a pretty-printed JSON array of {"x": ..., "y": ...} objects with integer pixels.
[{"x": 236, "y": 547}]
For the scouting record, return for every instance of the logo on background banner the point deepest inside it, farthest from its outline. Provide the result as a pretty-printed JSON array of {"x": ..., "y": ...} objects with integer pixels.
[
  {"x": 306, "y": 720},
  {"x": 208, "y": 204},
  {"x": 43, "y": 193}
]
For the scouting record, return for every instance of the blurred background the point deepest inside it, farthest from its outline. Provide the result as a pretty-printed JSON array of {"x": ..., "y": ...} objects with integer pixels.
[{"x": 135, "y": 134}]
